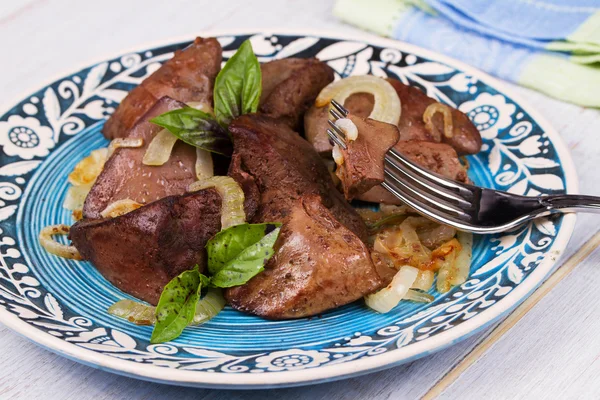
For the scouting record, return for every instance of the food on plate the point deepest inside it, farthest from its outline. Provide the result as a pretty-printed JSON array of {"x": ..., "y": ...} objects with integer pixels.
[
  {"x": 187, "y": 77},
  {"x": 321, "y": 259},
  {"x": 220, "y": 186},
  {"x": 360, "y": 167},
  {"x": 125, "y": 176},
  {"x": 464, "y": 136},
  {"x": 290, "y": 86},
  {"x": 141, "y": 251},
  {"x": 437, "y": 157}
]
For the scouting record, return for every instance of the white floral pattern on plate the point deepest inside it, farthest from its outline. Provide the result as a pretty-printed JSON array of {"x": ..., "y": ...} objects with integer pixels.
[
  {"x": 25, "y": 138},
  {"x": 490, "y": 113}
]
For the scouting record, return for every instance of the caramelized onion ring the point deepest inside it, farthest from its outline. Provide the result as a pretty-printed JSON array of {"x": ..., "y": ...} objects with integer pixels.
[
  {"x": 120, "y": 207},
  {"x": 387, "y": 106},
  {"x": 53, "y": 247},
  {"x": 430, "y": 111},
  {"x": 160, "y": 148},
  {"x": 232, "y": 195},
  {"x": 124, "y": 142}
]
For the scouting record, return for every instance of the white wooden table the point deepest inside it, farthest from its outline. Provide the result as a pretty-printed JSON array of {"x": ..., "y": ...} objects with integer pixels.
[{"x": 552, "y": 352}]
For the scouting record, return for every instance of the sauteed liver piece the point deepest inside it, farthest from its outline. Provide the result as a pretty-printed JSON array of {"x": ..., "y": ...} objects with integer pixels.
[
  {"x": 290, "y": 87},
  {"x": 320, "y": 259},
  {"x": 141, "y": 251},
  {"x": 125, "y": 177},
  {"x": 188, "y": 76}
]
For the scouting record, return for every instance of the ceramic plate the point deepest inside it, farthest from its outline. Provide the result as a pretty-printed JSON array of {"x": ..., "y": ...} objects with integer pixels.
[{"x": 61, "y": 304}]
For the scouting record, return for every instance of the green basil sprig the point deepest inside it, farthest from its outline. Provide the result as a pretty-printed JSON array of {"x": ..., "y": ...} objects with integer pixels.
[
  {"x": 235, "y": 255},
  {"x": 177, "y": 306},
  {"x": 237, "y": 91},
  {"x": 238, "y": 85},
  {"x": 196, "y": 128}
]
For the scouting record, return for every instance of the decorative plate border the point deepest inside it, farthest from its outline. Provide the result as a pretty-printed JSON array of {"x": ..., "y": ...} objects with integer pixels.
[{"x": 289, "y": 367}]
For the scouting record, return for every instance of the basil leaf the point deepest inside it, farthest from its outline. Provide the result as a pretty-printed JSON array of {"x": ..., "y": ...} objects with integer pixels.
[
  {"x": 196, "y": 128},
  {"x": 238, "y": 85},
  {"x": 204, "y": 280},
  {"x": 237, "y": 254},
  {"x": 177, "y": 306}
]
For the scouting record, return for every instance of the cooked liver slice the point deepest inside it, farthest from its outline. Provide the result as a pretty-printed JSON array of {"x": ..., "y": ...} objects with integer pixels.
[
  {"x": 465, "y": 140},
  {"x": 320, "y": 261},
  {"x": 319, "y": 264},
  {"x": 188, "y": 76},
  {"x": 364, "y": 158},
  {"x": 125, "y": 177},
  {"x": 465, "y": 136},
  {"x": 251, "y": 194},
  {"x": 290, "y": 86},
  {"x": 285, "y": 167},
  {"x": 315, "y": 120},
  {"x": 437, "y": 157},
  {"x": 141, "y": 251}
]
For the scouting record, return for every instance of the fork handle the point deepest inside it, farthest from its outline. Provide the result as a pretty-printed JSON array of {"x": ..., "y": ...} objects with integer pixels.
[{"x": 570, "y": 203}]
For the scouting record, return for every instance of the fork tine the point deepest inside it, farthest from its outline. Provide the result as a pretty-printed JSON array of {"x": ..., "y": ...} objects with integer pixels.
[
  {"x": 429, "y": 186},
  {"x": 333, "y": 136},
  {"x": 339, "y": 107},
  {"x": 430, "y": 177},
  {"x": 337, "y": 129},
  {"x": 424, "y": 208},
  {"x": 420, "y": 195},
  {"x": 335, "y": 114},
  {"x": 437, "y": 197}
]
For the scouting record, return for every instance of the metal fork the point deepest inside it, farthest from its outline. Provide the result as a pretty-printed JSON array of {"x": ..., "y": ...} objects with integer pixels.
[{"x": 460, "y": 205}]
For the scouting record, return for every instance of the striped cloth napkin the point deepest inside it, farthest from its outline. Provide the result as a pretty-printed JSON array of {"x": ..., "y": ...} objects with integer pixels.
[{"x": 552, "y": 46}]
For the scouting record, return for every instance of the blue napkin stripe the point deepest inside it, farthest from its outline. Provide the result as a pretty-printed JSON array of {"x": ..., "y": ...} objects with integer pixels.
[
  {"x": 537, "y": 20},
  {"x": 497, "y": 57}
]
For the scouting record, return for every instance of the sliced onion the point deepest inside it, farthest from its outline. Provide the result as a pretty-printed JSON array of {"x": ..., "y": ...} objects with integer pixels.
[
  {"x": 202, "y": 106},
  {"x": 53, "y": 247},
  {"x": 82, "y": 179},
  {"x": 463, "y": 259},
  {"x": 232, "y": 195},
  {"x": 331, "y": 167},
  {"x": 204, "y": 164},
  {"x": 142, "y": 314},
  {"x": 347, "y": 126},
  {"x": 444, "y": 259},
  {"x": 402, "y": 244},
  {"x": 87, "y": 170},
  {"x": 424, "y": 280},
  {"x": 76, "y": 197},
  {"x": 132, "y": 311},
  {"x": 387, "y": 298},
  {"x": 77, "y": 215},
  {"x": 337, "y": 155},
  {"x": 418, "y": 297},
  {"x": 430, "y": 111},
  {"x": 160, "y": 148},
  {"x": 124, "y": 142},
  {"x": 371, "y": 217},
  {"x": 387, "y": 103},
  {"x": 209, "y": 306},
  {"x": 120, "y": 207}
]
